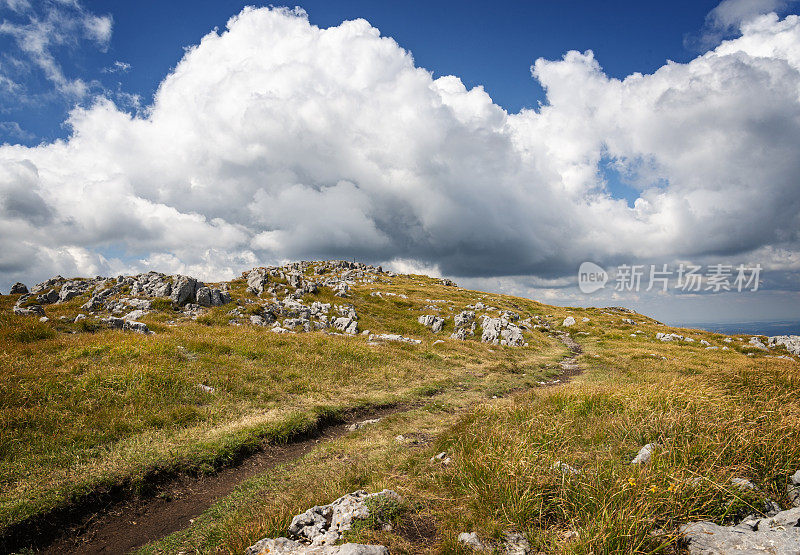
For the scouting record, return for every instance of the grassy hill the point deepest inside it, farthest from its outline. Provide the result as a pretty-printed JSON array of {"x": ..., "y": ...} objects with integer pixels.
[{"x": 88, "y": 410}]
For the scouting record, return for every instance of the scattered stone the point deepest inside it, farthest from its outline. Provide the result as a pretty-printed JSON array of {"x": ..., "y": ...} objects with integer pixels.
[
  {"x": 628, "y": 321},
  {"x": 393, "y": 337},
  {"x": 669, "y": 336},
  {"x": 568, "y": 321},
  {"x": 757, "y": 343},
  {"x": 515, "y": 544},
  {"x": 127, "y": 325},
  {"x": 704, "y": 342},
  {"x": 206, "y": 388},
  {"x": 584, "y": 319},
  {"x": 645, "y": 454},
  {"x": 571, "y": 536},
  {"x": 79, "y": 317},
  {"x": 44, "y": 319},
  {"x": 565, "y": 469},
  {"x": 743, "y": 483},
  {"x": 358, "y": 425},
  {"x": 471, "y": 540},
  {"x": 441, "y": 458}
]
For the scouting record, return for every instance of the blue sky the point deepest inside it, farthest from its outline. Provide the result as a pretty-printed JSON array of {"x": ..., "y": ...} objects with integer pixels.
[
  {"x": 658, "y": 133},
  {"x": 484, "y": 43}
]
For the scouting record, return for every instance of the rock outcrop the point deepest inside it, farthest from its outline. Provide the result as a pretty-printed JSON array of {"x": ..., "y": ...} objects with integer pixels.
[
  {"x": 320, "y": 527},
  {"x": 18, "y": 289},
  {"x": 779, "y": 535},
  {"x": 791, "y": 342},
  {"x": 436, "y": 323}
]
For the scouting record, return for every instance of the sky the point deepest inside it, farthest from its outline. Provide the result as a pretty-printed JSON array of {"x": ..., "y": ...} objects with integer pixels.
[{"x": 500, "y": 144}]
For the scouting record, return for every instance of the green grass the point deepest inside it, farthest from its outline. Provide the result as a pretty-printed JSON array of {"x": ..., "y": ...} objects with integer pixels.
[{"x": 85, "y": 407}]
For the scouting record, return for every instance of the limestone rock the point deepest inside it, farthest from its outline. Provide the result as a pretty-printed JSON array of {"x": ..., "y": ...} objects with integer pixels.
[
  {"x": 436, "y": 323},
  {"x": 778, "y": 535},
  {"x": 279, "y": 546},
  {"x": 392, "y": 337},
  {"x": 18, "y": 289},
  {"x": 758, "y": 344},
  {"x": 464, "y": 318},
  {"x": 793, "y": 489},
  {"x": 791, "y": 342},
  {"x": 568, "y": 321},
  {"x": 358, "y": 425},
  {"x": 183, "y": 290},
  {"x": 645, "y": 454},
  {"x": 470, "y": 539}
]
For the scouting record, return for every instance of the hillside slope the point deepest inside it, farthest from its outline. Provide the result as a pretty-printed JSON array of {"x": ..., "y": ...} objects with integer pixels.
[{"x": 115, "y": 386}]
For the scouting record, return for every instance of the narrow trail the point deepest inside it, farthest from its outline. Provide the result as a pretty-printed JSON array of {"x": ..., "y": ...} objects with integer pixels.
[
  {"x": 121, "y": 526},
  {"x": 570, "y": 364}
]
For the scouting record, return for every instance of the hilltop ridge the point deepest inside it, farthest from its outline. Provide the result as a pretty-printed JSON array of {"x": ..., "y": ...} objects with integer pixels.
[{"x": 117, "y": 386}]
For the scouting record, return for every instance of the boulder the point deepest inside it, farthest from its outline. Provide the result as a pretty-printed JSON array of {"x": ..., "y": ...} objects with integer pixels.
[
  {"x": 779, "y": 535},
  {"x": 793, "y": 489},
  {"x": 436, "y": 323},
  {"x": 93, "y": 304},
  {"x": 32, "y": 310},
  {"x": 758, "y": 344},
  {"x": 393, "y": 337},
  {"x": 257, "y": 280},
  {"x": 323, "y": 525},
  {"x": 18, "y": 289},
  {"x": 568, "y": 321},
  {"x": 464, "y": 318},
  {"x": 346, "y": 324},
  {"x": 791, "y": 342},
  {"x": 183, "y": 290},
  {"x": 280, "y": 546},
  {"x": 491, "y": 330},
  {"x": 48, "y": 298}
]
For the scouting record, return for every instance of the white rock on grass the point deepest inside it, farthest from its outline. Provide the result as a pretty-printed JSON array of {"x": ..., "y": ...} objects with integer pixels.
[
  {"x": 471, "y": 540},
  {"x": 393, "y": 337},
  {"x": 758, "y": 344},
  {"x": 568, "y": 321},
  {"x": 436, "y": 323},
  {"x": 793, "y": 489},
  {"x": 285, "y": 546},
  {"x": 321, "y": 526},
  {"x": 645, "y": 454},
  {"x": 791, "y": 342},
  {"x": 358, "y": 425},
  {"x": 778, "y": 535}
]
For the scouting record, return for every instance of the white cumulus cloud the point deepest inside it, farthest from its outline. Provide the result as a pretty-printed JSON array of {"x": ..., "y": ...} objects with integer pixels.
[{"x": 275, "y": 139}]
